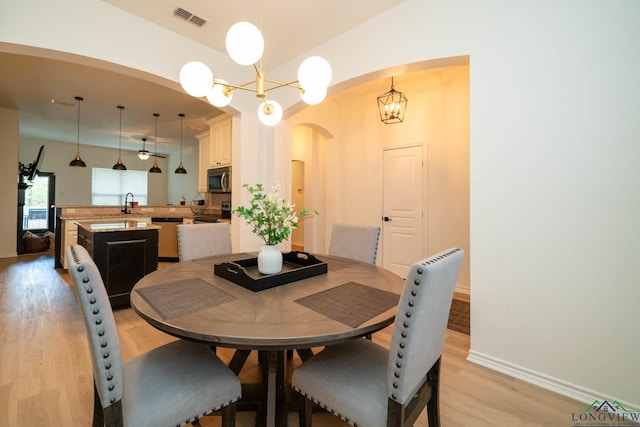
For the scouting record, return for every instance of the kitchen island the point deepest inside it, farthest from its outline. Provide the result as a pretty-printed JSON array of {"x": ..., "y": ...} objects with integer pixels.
[
  {"x": 124, "y": 250},
  {"x": 67, "y": 216}
]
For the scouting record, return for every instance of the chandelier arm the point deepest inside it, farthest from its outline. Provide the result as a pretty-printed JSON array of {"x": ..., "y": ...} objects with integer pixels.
[
  {"x": 242, "y": 86},
  {"x": 280, "y": 84}
]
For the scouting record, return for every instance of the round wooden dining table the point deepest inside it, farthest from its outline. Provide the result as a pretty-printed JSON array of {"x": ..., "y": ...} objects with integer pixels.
[{"x": 187, "y": 300}]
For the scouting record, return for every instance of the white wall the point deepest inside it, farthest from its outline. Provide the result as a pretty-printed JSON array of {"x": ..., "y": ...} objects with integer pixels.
[
  {"x": 73, "y": 184},
  {"x": 179, "y": 185},
  {"x": 555, "y": 187}
]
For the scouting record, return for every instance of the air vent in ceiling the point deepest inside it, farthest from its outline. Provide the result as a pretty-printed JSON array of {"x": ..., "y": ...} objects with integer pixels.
[{"x": 188, "y": 16}]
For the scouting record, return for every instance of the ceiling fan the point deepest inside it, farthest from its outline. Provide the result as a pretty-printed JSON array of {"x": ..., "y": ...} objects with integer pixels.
[{"x": 144, "y": 154}]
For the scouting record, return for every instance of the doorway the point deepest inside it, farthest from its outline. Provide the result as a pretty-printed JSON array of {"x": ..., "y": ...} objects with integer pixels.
[
  {"x": 297, "y": 199},
  {"x": 36, "y": 211}
]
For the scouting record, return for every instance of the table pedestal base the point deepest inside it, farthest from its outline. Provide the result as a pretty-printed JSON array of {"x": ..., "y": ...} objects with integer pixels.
[{"x": 271, "y": 399}]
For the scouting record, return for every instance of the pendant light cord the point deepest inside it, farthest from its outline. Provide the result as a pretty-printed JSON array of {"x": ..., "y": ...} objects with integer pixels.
[
  {"x": 120, "y": 107},
  {"x": 155, "y": 143},
  {"x": 261, "y": 32},
  {"x": 79, "y": 99},
  {"x": 181, "y": 117}
]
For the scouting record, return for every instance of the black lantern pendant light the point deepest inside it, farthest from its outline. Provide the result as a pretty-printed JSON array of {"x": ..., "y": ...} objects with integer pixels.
[
  {"x": 119, "y": 165},
  {"x": 78, "y": 161},
  {"x": 155, "y": 168},
  {"x": 181, "y": 168},
  {"x": 392, "y": 106}
]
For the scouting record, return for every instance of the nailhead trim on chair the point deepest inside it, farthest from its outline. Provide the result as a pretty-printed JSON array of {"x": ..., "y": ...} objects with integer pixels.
[
  {"x": 375, "y": 252},
  {"x": 405, "y": 324},
  {"x": 320, "y": 404},
  {"x": 98, "y": 322}
]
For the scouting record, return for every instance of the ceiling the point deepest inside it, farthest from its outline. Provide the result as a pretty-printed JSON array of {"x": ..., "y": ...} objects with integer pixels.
[{"x": 29, "y": 84}]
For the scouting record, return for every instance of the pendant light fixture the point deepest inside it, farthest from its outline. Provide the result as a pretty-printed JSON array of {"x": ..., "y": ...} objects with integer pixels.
[
  {"x": 119, "y": 165},
  {"x": 181, "y": 168},
  {"x": 143, "y": 154},
  {"x": 245, "y": 45},
  {"x": 78, "y": 161},
  {"x": 392, "y": 106},
  {"x": 155, "y": 168}
]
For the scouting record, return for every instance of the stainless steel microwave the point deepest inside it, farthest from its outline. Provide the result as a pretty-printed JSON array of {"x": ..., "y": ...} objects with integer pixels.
[{"x": 219, "y": 180}]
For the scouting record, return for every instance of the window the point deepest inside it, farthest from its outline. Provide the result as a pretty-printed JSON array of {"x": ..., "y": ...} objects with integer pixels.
[{"x": 109, "y": 186}]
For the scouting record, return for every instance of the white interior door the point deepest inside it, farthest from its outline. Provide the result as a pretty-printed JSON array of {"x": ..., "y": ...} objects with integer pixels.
[{"x": 402, "y": 209}]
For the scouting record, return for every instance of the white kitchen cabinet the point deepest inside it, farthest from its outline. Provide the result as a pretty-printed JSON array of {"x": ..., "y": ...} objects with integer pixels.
[
  {"x": 214, "y": 148},
  {"x": 204, "y": 153},
  {"x": 220, "y": 140},
  {"x": 69, "y": 237}
]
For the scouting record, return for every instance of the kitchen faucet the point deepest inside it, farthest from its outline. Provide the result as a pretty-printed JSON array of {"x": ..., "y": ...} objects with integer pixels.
[{"x": 125, "y": 210}]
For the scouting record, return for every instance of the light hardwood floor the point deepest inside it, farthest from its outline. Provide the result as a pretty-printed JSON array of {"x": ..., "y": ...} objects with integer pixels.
[{"x": 46, "y": 379}]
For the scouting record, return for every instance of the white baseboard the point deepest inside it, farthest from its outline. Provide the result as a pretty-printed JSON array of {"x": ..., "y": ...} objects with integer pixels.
[{"x": 547, "y": 382}]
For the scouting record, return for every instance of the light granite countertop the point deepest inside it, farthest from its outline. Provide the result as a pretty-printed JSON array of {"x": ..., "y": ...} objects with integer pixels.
[
  {"x": 101, "y": 226},
  {"x": 109, "y": 212}
]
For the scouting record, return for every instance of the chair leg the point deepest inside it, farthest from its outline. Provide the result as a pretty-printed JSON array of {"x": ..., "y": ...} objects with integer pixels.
[
  {"x": 98, "y": 414},
  {"x": 305, "y": 410},
  {"x": 229, "y": 415},
  {"x": 433, "y": 405},
  {"x": 113, "y": 415}
]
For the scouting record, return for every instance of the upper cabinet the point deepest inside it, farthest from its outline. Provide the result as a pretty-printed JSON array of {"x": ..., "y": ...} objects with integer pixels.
[
  {"x": 214, "y": 148},
  {"x": 204, "y": 150},
  {"x": 220, "y": 132}
]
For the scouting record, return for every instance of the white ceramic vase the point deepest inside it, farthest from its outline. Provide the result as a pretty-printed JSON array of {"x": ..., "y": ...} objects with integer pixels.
[{"x": 269, "y": 259}]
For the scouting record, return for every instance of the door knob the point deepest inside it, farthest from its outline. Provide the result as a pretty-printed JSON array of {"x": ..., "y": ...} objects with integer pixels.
[{"x": 386, "y": 218}]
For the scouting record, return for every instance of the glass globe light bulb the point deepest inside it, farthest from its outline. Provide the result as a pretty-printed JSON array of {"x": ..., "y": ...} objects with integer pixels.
[
  {"x": 314, "y": 72},
  {"x": 245, "y": 43},
  {"x": 217, "y": 97},
  {"x": 314, "y": 96},
  {"x": 196, "y": 78},
  {"x": 270, "y": 113}
]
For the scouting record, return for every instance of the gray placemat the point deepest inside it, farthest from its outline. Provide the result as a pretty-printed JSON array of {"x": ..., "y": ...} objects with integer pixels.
[
  {"x": 351, "y": 303},
  {"x": 175, "y": 299}
]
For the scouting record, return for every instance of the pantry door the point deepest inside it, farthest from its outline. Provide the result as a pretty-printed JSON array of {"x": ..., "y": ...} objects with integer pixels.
[{"x": 402, "y": 209}]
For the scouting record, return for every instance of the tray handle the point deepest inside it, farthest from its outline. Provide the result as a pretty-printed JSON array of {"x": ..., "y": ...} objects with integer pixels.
[
  {"x": 232, "y": 267},
  {"x": 303, "y": 255}
]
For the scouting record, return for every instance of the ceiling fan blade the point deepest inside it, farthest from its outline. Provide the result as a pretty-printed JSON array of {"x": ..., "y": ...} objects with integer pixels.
[
  {"x": 61, "y": 102},
  {"x": 135, "y": 153}
]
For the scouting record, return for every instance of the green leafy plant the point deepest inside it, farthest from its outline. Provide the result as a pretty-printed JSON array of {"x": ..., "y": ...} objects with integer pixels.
[{"x": 270, "y": 216}]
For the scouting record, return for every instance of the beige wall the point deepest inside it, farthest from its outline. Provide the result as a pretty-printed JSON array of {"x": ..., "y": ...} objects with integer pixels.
[
  {"x": 9, "y": 127},
  {"x": 437, "y": 118}
]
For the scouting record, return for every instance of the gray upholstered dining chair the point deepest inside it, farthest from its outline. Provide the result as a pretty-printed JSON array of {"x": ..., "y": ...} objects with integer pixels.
[
  {"x": 171, "y": 385},
  {"x": 202, "y": 240},
  {"x": 367, "y": 385},
  {"x": 355, "y": 242}
]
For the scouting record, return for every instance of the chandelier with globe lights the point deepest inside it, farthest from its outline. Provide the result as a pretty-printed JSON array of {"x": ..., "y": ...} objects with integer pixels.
[{"x": 245, "y": 46}]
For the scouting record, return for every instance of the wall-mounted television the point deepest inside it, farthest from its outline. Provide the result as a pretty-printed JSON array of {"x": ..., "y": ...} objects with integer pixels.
[{"x": 31, "y": 170}]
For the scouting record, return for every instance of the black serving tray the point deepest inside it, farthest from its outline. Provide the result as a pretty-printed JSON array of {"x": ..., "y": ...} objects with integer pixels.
[{"x": 296, "y": 265}]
